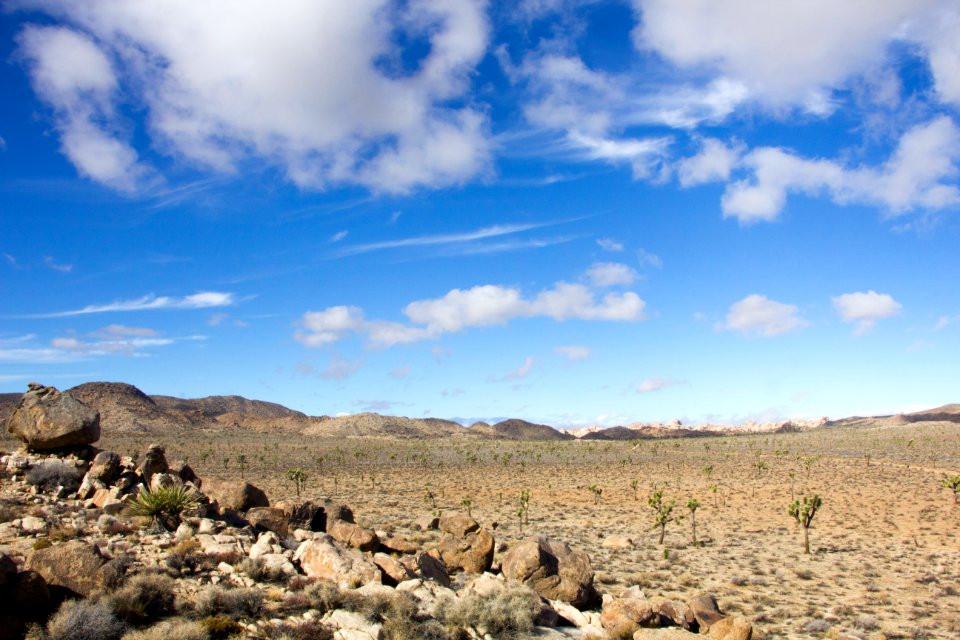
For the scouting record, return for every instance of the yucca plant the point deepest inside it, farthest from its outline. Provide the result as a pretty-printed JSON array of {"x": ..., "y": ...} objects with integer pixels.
[{"x": 164, "y": 505}]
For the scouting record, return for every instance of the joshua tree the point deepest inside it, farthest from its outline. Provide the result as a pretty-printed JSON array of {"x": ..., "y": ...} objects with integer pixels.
[
  {"x": 242, "y": 462},
  {"x": 597, "y": 491},
  {"x": 803, "y": 513},
  {"x": 633, "y": 485},
  {"x": 663, "y": 512},
  {"x": 297, "y": 477},
  {"x": 525, "y": 506},
  {"x": 467, "y": 504},
  {"x": 953, "y": 483},
  {"x": 693, "y": 504}
]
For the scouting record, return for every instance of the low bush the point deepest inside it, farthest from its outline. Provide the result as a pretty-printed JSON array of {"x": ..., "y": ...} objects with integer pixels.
[
  {"x": 506, "y": 614},
  {"x": 144, "y": 599},
  {"x": 50, "y": 474},
  {"x": 85, "y": 620},
  {"x": 233, "y": 603},
  {"x": 176, "y": 629},
  {"x": 326, "y": 596},
  {"x": 306, "y": 630},
  {"x": 165, "y": 505},
  {"x": 220, "y": 627}
]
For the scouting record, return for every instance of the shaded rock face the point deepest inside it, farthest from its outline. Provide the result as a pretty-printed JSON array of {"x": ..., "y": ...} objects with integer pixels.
[
  {"x": 154, "y": 461},
  {"x": 235, "y": 495},
  {"x": 473, "y": 552},
  {"x": 353, "y": 535},
  {"x": 269, "y": 519},
  {"x": 303, "y": 515},
  {"x": 46, "y": 419},
  {"x": 553, "y": 570},
  {"x": 75, "y": 566}
]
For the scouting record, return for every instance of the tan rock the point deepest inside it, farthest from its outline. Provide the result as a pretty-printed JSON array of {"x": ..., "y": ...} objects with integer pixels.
[
  {"x": 105, "y": 467},
  {"x": 731, "y": 628},
  {"x": 47, "y": 419},
  {"x": 457, "y": 524},
  {"x": 427, "y": 566},
  {"x": 705, "y": 610},
  {"x": 353, "y": 535},
  {"x": 553, "y": 570},
  {"x": 617, "y": 542},
  {"x": 302, "y": 514},
  {"x": 393, "y": 570},
  {"x": 621, "y": 617},
  {"x": 75, "y": 566},
  {"x": 472, "y": 552},
  {"x": 234, "y": 495},
  {"x": 664, "y": 634},
  {"x": 395, "y": 544},
  {"x": 269, "y": 519},
  {"x": 324, "y": 558}
]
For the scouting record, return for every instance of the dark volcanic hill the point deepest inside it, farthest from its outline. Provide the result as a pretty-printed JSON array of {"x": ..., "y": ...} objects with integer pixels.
[
  {"x": 644, "y": 433},
  {"x": 946, "y": 413},
  {"x": 515, "y": 429}
]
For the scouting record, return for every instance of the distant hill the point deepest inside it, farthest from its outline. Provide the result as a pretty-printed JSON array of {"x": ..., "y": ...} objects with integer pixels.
[
  {"x": 946, "y": 413},
  {"x": 644, "y": 433},
  {"x": 374, "y": 424},
  {"x": 515, "y": 429}
]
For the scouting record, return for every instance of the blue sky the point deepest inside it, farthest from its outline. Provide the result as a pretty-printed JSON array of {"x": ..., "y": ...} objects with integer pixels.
[{"x": 571, "y": 212}]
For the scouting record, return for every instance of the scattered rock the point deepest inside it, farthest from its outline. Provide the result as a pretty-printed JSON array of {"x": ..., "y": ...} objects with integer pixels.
[
  {"x": 426, "y": 566},
  {"x": 457, "y": 524},
  {"x": 393, "y": 571},
  {"x": 323, "y": 557},
  {"x": 105, "y": 467},
  {"x": 425, "y": 523},
  {"x": 234, "y": 495},
  {"x": 553, "y": 570},
  {"x": 353, "y": 535},
  {"x": 302, "y": 515},
  {"x": 665, "y": 634},
  {"x": 705, "y": 610},
  {"x": 74, "y": 566},
  {"x": 46, "y": 419},
  {"x": 154, "y": 461},
  {"x": 472, "y": 552},
  {"x": 269, "y": 519},
  {"x": 622, "y": 616},
  {"x": 731, "y": 628},
  {"x": 618, "y": 542}
]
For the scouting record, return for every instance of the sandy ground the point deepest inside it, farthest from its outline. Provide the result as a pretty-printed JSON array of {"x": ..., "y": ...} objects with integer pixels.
[{"x": 885, "y": 559}]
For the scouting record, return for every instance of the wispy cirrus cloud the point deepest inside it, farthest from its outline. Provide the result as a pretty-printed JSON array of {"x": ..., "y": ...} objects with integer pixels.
[
  {"x": 112, "y": 340},
  {"x": 150, "y": 302}
]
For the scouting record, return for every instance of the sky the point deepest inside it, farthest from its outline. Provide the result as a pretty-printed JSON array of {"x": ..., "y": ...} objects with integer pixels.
[{"x": 574, "y": 213}]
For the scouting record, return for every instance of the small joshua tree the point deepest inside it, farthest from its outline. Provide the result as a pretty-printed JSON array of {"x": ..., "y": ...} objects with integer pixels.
[
  {"x": 693, "y": 504},
  {"x": 953, "y": 483},
  {"x": 242, "y": 463},
  {"x": 297, "y": 477},
  {"x": 467, "y": 504},
  {"x": 633, "y": 485},
  {"x": 597, "y": 492},
  {"x": 663, "y": 512},
  {"x": 525, "y": 506},
  {"x": 803, "y": 513}
]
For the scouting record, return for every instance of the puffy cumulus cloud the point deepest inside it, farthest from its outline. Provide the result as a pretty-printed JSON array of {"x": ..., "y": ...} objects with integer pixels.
[
  {"x": 72, "y": 74},
  {"x": 865, "y": 309},
  {"x": 715, "y": 162},
  {"x": 461, "y": 309},
  {"x": 917, "y": 175},
  {"x": 758, "y": 315},
  {"x": 574, "y": 353},
  {"x": 784, "y": 52},
  {"x": 611, "y": 274},
  {"x": 652, "y": 385},
  {"x": 323, "y": 90}
]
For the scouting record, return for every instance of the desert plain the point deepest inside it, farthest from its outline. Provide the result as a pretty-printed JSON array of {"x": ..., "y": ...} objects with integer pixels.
[{"x": 885, "y": 545}]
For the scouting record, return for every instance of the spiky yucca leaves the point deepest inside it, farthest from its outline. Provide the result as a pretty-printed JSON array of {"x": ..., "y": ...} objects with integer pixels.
[
  {"x": 803, "y": 513},
  {"x": 165, "y": 505}
]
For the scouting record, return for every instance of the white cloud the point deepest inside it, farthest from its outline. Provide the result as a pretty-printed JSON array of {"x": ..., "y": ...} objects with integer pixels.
[
  {"x": 338, "y": 236},
  {"x": 714, "y": 163},
  {"x": 914, "y": 177},
  {"x": 118, "y": 346},
  {"x": 649, "y": 259},
  {"x": 652, "y": 385},
  {"x": 75, "y": 77},
  {"x": 460, "y": 309},
  {"x": 322, "y": 90},
  {"x": 611, "y": 274},
  {"x": 520, "y": 372},
  {"x": 945, "y": 321},
  {"x": 340, "y": 368},
  {"x": 784, "y": 52},
  {"x": 757, "y": 315},
  {"x": 119, "y": 330},
  {"x": 202, "y": 300},
  {"x": 608, "y": 244},
  {"x": 574, "y": 353},
  {"x": 112, "y": 340},
  {"x": 644, "y": 155},
  {"x": 50, "y": 262},
  {"x": 485, "y": 233},
  {"x": 865, "y": 309}
]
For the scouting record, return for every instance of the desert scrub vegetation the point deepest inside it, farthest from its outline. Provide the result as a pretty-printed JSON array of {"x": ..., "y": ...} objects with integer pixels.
[
  {"x": 175, "y": 629},
  {"x": 233, "y": 603},
  {"x": 509, "y": 613},
  {"x": 164, "y": 505},
  {"x": 953, "y": 483},
  {"x": 53, "y": 473},
  {"x": 143, "y": 599},
  {"x": 85, "y": 620}
]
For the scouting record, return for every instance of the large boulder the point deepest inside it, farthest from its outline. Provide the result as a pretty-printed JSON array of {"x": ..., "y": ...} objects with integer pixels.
[
  {"x": 74, "y": 566},
  {"x": 426, "y": 566},
  {"x": 269, "y": 519},
  {"x": 705, "y": 610},
  {"x": 234, "y": 495},
  {"x": 322, "y": 557},
  {"x": 472, "y": 552},
  {"x": 553, "y": 570},
  {"x": 104, "y": 468},
  {"x": 457, "y": 524},
  {"x": 621, "y": 617},
  {"x": 47, "y": 419},
  {"x": 353, "y": 535},
  {"x": 731, "y": 628},
  {"x": 154, "y": 461},
  {"x": 302, "y": 515}
]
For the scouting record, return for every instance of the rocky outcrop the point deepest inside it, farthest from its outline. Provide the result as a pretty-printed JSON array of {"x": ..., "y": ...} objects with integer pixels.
[
  {"x": 353, "y": 535},
  {"x": 76, "y": 566},
  {"x": 234, "y": 495},
  {"x": 322, "y": 557},
  {"x": 46, "y": 419},
  {"x": 553, "y": 570}
]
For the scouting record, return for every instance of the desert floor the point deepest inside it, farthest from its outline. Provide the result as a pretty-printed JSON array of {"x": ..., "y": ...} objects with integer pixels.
[{"x": 885, "y": 559}]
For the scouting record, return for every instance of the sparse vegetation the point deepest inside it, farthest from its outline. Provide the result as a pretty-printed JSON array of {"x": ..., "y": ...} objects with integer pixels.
[
  {"x": 298, "y": 477},
  {"x": 663, "y": 512},
  {"x": 85, "y": 620},
  {"x": 164, "y": 505},
  {"x": 803, "y": 513},
  {"x": 953, "y": 483},
  {"x": 504, "y": 614}
]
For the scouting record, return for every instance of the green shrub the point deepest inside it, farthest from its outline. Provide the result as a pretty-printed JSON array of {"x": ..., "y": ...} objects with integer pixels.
[
  {"x": 164, "y": 505},
  {"x": 220, "y": 627},
  {"x": 85, "y": 620},
  {"x": 144, "y": 599}
]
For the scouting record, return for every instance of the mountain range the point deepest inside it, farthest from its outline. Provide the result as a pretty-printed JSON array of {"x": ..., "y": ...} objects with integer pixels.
[{"x": 126, "y": 409}]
